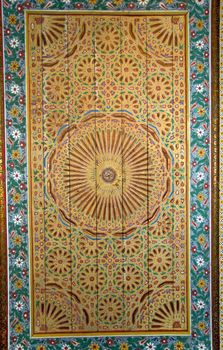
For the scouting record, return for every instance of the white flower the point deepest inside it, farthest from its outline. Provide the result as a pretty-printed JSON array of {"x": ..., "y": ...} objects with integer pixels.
[
  {"x": 16, "y": 134},
  {"x": 200, "y": 132},
  {"x": 19, "y": 305},
  {"x": 66, "y": 347},
  {"x": 200, "y": 176},
  {"x": 17, "y": 219},
  {"x": 143, "y": 2},
  {"x": 19, "y": 262},
  {"x": 200, "y": 261},
  {"x": 66, "y": 2},
  {"x": 15, "y": 89},
  {"x": 200, "y": 44},
  {"x": 199, "y": 2},
  {"x": 201, "y": 346},
  {"x": 199, "y": 88},
  {"x": 19, "y": 347},
  {"x": 200, "y": 304},
  {"x": 200, "y": 218},
  {"x": 150, "y": 346},
  {"x": 14, "y": 42},
  {"x": 16, "y": 176}
]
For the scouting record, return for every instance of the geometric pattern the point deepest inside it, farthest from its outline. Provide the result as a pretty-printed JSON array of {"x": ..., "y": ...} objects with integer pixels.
[{"x": 108, "y": 173}]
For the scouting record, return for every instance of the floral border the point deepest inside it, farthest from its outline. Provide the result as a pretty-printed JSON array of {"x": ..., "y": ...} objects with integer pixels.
[
  {"x": 215, "y": 120},
  {"x": 3, "y": 235},
  {"x": 17, "y": 179}
]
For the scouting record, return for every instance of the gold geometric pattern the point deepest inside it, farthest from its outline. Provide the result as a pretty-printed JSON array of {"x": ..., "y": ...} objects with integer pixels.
[{"x": 108, "y": 155}]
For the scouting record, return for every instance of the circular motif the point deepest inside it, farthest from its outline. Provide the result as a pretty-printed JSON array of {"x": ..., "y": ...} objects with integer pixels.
[
  {"x": 168, "y": 316},
  {"x": 162, "y": 121},
  {"x": 90, "y": 248},
  {"x": 165, "y": 31},
  {"x": 88, "y": 70},
  {"x": 126, "y": 70},
  {"x": 127, "y": 101},
  {"x": 49, "y": 33},
  {"x": 106, "y": 175},
  {"x": 107, "y": 37},
  {"x": 59, "y": 261},
  {"x": 159, "y": 88},
  {"x": 89, "y": 101},
  {"x": 91, "y": 278},
  {"x": 50, "y": 39},
  {"x": 55, "y": 313},
  {"x": 128, "y": 278},
  {"x": 130, "y": 247},
  {"x": 54, "y": 121},
  {"x": 57, "y": 88},
  {"x": 110, "y": 309},
  {"x": 55, "y": 228},
  {"x": 162, "y": 227},
  {"x": 160, "y": 259}
]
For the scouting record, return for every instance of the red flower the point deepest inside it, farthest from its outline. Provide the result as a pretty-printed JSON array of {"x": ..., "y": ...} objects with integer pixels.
[
  {"x": 21, "y": 54},
  {"x": 24, "y": 272},
  {"x": 22, "y": 186},
  {"x": 52, "y": 342},
  {"x": 110, "y": 341},
  {"x": 194, "y": 249},
  {"x": 20, "y": 8},
  {"x": 25, "y": 315},
  {"x": 21, "y": 100},
  {"x": 8, "y": 77},
  {"x": 131, "y": 5},
  {"x": 27, "y": 4},
  {"x": 79, "y": 5},
  {"x": 22, "y": 144},
  {"x": 193, "y": 208},
  {"x": 7, "y": 31}
]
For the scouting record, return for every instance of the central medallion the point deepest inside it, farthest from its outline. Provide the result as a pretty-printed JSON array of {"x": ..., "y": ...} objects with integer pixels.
[{"x": 109, "y": 174}]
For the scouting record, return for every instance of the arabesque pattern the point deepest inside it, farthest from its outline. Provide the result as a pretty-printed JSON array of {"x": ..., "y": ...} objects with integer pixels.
[{"x": 108, "y": 154}]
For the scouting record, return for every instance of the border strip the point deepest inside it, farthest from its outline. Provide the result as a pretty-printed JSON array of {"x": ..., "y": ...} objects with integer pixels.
[
  {"x": 3, "y": 231},
  {"x": 215, "y": 10}
]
